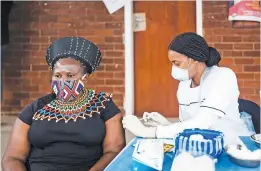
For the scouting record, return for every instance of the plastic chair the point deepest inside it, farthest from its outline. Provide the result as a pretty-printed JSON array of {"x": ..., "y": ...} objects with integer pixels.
[{"x": 253, "y": 109}]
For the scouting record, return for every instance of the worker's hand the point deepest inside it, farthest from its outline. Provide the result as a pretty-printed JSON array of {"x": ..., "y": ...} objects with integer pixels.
[
  {"x": 134, "y": 125},
  {"x": 154, "y": 119}
]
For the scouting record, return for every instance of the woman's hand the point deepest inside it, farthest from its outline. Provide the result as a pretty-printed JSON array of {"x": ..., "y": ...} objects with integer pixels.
[
  {"x": 134, "y": 125},
  {"x": 154, "y": 119}
]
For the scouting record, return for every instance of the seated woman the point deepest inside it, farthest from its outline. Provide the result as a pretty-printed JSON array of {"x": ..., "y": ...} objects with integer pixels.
[
  {"x": 207, "y": 94},
  {"x": 73, "y": 128}
]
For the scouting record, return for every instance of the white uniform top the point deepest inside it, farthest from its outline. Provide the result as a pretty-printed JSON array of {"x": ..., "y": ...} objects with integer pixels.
[
  {"x": 212, "y": 105},
  {"x": 217, "y": 95}
]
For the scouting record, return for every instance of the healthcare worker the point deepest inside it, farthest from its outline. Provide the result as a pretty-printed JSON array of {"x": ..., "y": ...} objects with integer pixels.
[{"x": 207, "y": 94}]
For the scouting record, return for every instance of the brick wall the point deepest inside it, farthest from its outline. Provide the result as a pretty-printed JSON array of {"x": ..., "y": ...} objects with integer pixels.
[
  {"x": 240, "y": 48},
  {"x": 34, "y": 25}
]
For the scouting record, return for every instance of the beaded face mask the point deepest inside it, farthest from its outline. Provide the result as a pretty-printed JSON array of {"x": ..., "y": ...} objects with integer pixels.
[{"x": 67, "y": 91}]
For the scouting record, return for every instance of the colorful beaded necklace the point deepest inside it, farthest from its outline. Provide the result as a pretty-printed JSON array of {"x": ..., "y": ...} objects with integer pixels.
[{"x": 88, "y": 104}]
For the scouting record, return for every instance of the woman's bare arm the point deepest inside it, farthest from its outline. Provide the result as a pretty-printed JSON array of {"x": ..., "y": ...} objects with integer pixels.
[
  {"x": 113, "y": 143},
  {"x": 18, "y": 148}
]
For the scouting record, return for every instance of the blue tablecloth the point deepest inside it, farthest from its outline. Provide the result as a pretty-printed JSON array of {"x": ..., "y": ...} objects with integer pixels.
[{"x": 123, "y": 162}]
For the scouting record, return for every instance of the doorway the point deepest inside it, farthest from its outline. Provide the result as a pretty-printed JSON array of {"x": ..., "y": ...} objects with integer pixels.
[{"x": 154, "y": 88}]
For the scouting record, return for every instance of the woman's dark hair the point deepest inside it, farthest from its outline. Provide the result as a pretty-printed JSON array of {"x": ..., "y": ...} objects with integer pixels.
[
  {"x": 195, "y": 46},
  {"x": 87, "y": 69},
  {"x": 214, "y": 57}
]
